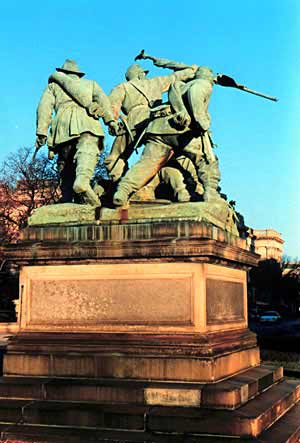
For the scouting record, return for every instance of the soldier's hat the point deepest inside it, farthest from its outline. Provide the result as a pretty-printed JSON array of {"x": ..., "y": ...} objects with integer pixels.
[
  {"x": 133, "y": 71},
  {"x": 70, "y": 66}
]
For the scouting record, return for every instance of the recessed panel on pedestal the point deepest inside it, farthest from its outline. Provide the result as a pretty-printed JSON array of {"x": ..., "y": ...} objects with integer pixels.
[
  {"x": 226, "y": 297},
  {"x": 105, "y": 297}
]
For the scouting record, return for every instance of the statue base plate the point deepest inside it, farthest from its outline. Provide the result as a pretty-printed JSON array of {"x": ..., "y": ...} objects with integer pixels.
[{"x": 218, "y": 213}]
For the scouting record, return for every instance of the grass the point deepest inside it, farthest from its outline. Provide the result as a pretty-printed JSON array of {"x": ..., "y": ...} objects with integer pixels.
[{"x": 289, "y": 360}]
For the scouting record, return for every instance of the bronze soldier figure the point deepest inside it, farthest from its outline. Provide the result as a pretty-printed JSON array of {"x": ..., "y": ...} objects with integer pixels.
[
  {"x": 136, "y": 97},
  {"x": 76, "y": 134},
  {"x": 168, "y": 135}
]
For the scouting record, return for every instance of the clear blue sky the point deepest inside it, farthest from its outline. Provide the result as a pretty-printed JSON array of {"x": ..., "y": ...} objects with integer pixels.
[{"x": 255, "y": 41}]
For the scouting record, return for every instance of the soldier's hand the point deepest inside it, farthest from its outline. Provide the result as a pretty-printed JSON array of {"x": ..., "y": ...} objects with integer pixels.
[
  {"x": 40, "y": 141},
  {"x": 141, "y": 55},
  {"x": 95, "y": 110},
  {"x": 182, "y": 119},
  {"x": 113, "y": 128},
  {"x": 195, "y": 68}
]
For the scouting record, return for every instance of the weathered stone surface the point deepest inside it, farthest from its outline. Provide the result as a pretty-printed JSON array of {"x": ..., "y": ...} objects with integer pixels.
[
  {"x": 130, "y": 242},
  {"x": 224, "y": 301},
  {"x": 181, "y": 357},
  {"x": 285, "y": 430},
  {"x": 62, "y": 213},
  {"x": 249, "y": 420},
  {"x": 226, "y": 394},
  {"x": 239, "y": 389},
  {"x": 215, "y": 213},
  {"x": 83, "y": 420},
  {"x": 172, "y": 397},
  {"x": 129, "y": 297}
]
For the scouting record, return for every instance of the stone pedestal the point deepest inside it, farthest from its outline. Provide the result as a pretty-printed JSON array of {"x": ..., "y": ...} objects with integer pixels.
[
  {"x": 136, "y": 331},
  {"x": 160, "y": 301}
]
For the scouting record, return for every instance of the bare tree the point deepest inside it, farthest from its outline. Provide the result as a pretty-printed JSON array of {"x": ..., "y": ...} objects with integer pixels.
[{"x": 25, "y": 184}]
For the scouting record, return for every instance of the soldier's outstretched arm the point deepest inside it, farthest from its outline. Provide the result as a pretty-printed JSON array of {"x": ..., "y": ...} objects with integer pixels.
[
  {"x": 168, "y": 64},
  {"x": 162, "y": 62},
  {"x": 164, "y": 82},
  {"x": 101, "y": 98}
]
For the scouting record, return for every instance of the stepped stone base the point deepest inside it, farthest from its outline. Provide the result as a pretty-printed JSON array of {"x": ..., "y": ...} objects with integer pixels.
[
  {"x": 257, "y": 405},
  {"x": 137, "y": 332},
  {"x": 183, "y": 357}
]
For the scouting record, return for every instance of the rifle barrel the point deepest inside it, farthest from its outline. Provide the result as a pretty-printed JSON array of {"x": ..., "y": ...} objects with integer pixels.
[{"x": 268, "y": 97}]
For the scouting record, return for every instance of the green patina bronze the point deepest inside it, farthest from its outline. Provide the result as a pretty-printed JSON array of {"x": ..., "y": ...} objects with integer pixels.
[
  {"x": 75, "y": 134},
  {"x": 180, "y": 128},
  {"x": 177, "y": 150},
  {"x": 135, "y": 98}
]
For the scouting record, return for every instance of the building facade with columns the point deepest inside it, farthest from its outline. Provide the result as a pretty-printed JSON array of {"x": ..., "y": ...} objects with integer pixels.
[{"x": 268, "y": 243}]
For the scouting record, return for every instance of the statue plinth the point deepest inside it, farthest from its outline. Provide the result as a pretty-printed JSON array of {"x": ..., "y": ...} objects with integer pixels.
[
  {"x": 163, "y": 300},
  {"x": 137, "y": 329},
  {"x": 217, "y": 213}
]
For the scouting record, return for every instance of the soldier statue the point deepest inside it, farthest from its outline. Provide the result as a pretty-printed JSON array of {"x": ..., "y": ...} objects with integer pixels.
[
  {"x": 171, "y": 131},
  {"x": 76, "y": 134},
  {"x": 199, "y": 153},
  {"x": 136, "y": 97}
]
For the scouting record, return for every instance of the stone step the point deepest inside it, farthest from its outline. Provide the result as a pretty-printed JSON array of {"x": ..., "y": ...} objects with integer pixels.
[
  {"x": 228, "y": 394},
  {"x": 239, "y": 389},
  {"x": 285, "y": 430},
  {"x": 64, "y": 434},
  {"x": 249, "y": 420},
  {"x": 82, "y": 414}
]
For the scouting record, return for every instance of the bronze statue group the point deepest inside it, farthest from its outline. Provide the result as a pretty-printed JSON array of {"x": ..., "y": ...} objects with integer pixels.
[{"x": 174, "y": 137}]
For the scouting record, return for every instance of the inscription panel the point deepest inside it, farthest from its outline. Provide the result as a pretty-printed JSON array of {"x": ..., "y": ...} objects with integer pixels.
[
  {"x": 172, "y": 397},
  {"x": 224, "y": 301},
  {"x": 154, "y": 299}
]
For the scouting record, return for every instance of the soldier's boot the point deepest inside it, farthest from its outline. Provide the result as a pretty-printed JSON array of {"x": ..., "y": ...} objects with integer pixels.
[
  {"x": 175, "y": 179},
  {"x": 114, "y": 164},
  {"x": 211, "y": 194},
  {"x": 82, "y": 186},
  {"x": 183, "y": 196},
  {"x": 147, "y": 193},
  {"x": 187, "y": 164},
  {"x": 86, "y": 159},
  {"x": 99, "y": 190},
  {"x": 210, "y": 177},
  {"x": 121, "y": 197}
]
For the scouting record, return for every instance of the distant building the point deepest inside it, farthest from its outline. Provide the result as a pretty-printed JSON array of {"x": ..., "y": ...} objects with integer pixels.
[{"x": 268, "y": 243}]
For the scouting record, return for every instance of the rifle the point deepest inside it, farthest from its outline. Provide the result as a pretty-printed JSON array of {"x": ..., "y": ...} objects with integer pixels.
[
  {"x": 225, "y": 80},
  {"x": 221, "y": 79}
]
